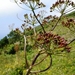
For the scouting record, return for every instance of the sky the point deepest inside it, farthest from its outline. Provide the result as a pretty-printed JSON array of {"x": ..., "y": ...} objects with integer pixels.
[{"x": 8, "y": 15}]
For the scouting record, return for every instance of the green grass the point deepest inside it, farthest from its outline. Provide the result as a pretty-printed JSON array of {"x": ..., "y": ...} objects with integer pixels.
[
  {"x": 62, "y": 64},
  {"x": 72, "y": 14}
]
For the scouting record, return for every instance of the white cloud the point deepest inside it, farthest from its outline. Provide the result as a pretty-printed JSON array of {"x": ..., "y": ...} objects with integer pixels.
[
  {"x": 73, "y": 1},
  {"x": 6, "y": 6}
]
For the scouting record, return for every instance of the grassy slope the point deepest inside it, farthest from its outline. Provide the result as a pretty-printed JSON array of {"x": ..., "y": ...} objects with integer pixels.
[
  {"x": 62, "y": 65},
  {"x": 72, "y": 14}
]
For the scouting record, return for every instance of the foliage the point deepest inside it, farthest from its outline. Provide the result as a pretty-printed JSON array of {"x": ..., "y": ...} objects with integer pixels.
[
  {"x": 12, "y": 51},
  {"x": 13, "y": 37},
  {"x": 72, "y": 14},
  {"x": 4, "y": 42},
  {"x": 8, "y": 63}
]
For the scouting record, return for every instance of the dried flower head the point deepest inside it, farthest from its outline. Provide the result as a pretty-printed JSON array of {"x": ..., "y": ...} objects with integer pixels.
[
  {"x": 48, "y": 38},
  {"x": 70, "y": 23},
  {"x": 62, "y": 5}
]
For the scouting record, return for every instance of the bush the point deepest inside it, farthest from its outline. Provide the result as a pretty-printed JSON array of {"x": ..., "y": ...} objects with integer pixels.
[
  {"x": 12, "y": 51},
  {"x": 28, "y": 47},
  {"x": 18, "y": 70}
]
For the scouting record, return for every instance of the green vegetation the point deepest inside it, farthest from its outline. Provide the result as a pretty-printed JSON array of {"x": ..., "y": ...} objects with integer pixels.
[
  {"x": 72, "y": 14},
  {"x": 62, "y": 64},
  {"x": 48, "y": 49}
]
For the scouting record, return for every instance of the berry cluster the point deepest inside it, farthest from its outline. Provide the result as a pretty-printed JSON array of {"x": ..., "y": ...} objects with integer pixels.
[
  {"x": 17, "y": 30},
  {"x": 49, "y": 19},
  {"x": 47, "y": 38},
  {"x": 69, "y": 23}
]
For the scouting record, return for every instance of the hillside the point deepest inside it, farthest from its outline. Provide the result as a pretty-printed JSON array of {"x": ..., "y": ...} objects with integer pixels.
[
  {"x": 13, "y": 62},
  {"x": 72, "y": 14}
]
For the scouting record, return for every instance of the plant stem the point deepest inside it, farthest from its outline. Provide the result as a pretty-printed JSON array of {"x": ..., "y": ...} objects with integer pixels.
[
  {"x": 39, "y": 21},
  {"x": 56, "y": 23},
  {"x": 32, "y": 8},
  {"x": 46, "y": 68},
  {"x": 26, "y": 62},
  {"x": 35, "y": 58}
]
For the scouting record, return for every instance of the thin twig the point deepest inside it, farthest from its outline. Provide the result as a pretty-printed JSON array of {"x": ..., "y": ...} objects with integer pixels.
[
  {"x": 41, "y": 60},
  {"x": 26, "y": 61},
  {"x": 56, "y": 23},
  {"x": 71, "y": 41},
  {"x": 44, "y": 69}
]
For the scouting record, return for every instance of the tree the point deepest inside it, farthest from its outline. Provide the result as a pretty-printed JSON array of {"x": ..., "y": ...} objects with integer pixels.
[
  {"x": 14, "y": 36},
  {"x": 4, "y": 42}
]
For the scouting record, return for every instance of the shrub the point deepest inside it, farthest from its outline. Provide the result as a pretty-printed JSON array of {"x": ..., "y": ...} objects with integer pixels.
[{"x": 12, "y": 51}]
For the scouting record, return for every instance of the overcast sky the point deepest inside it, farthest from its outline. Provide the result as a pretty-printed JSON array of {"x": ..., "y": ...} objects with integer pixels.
[{"x": 9, "y": 11}]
